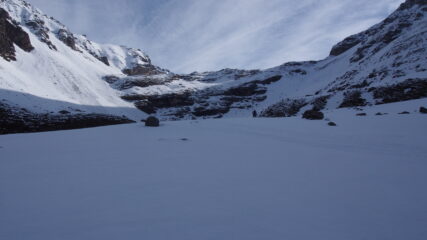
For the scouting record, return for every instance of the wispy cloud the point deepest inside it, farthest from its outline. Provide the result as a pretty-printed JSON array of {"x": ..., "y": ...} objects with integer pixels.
[{"x": 189, "y": 35}]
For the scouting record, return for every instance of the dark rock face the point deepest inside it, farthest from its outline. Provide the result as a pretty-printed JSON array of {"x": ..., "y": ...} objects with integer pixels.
[
  {"x": 203, "y": 112},
  {"x": 147, "y": 69},
  {"x": 11, "y": 34},
  {"x": 245, "y": 90},
  {"x": 313, "y": 115},
  {"x": 104, "y": 59},
  {"x": 423, "y": 110},
  {"x": 146, "y": 107},
  {"x": 22, "y": 121},
  {"x": 150, "y": 104},
  {"x": 361, "y": 114},
  {"x": 284, "y": 108},
  {"x": 345, "y": 45},
  {"x": 136, "y": 81},
  {"x": 407, "y": 90},
  {"x": 353, "y": 99},
  {"x": 210, "y": 102},
  {"x": 152, "y": 122},
  {"x": 67, "y": 38},
  {"x": 19, "y": 37},
  {"x": 38, "y": 27},
  {"x": 320, "y": 103},
  {"x": 7, "y": 50}
]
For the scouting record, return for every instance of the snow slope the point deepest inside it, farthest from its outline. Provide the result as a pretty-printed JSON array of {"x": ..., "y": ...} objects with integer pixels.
[
  {"x": 67, "y": 73},
  {"x": 221, "y": 179}
]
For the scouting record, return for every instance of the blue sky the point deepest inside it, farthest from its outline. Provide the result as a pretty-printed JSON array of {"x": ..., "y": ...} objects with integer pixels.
[{"x": 200, "y": 35}]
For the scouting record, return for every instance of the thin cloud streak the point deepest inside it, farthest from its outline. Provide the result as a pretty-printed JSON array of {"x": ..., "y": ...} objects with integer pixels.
[{"x": 194, "y": 35}]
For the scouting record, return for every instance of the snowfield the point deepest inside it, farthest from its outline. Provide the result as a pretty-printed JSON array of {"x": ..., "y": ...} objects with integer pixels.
[{"x": 222, "y": 179}]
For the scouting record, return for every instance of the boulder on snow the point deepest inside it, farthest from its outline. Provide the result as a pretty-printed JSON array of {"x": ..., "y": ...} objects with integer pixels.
[
  {"x": 423, "y": 110},
  {"x": 152, "y": 122},
  {"x": 361, "y": 114},
  {"x": 332, "y": 124},
  {"x": 313, "y": 115}
]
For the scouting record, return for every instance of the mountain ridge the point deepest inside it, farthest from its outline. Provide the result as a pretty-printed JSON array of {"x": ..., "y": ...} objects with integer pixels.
[{"x": 379, "y": 65}]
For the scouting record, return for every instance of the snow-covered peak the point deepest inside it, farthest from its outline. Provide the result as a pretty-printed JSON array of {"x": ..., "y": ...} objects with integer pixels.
[
  {"x": 44, "y": 27},
  {"x": 22, "y": 12},
  {"x": 410, "y": 14},
  {"x": 46, "y": 68}
]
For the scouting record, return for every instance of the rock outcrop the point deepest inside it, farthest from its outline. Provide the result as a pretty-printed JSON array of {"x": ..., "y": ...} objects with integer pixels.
[
  {"x": 313, "y": 115},
  {"x": 152, "y": 122},
  {"x": 11, "y": 33},
  {"x": 14, "y": 120}
]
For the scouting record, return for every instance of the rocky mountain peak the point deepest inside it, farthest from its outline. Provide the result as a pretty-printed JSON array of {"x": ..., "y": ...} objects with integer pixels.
[
  {"x": 408, "y": 14},
  {"x": 128, "y": 60},
  {"x": 410, "y": 3}
]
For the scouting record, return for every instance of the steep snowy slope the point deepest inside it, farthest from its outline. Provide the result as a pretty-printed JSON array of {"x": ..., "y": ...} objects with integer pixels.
[{"x": 61, "y": 67}]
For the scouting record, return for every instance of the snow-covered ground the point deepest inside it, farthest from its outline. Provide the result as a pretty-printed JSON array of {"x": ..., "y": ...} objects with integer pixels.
[{"x": 222, "y": 179}]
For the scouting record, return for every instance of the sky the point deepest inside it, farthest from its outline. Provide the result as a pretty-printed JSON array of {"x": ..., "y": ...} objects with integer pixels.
[{"x": 203, "y": 35}]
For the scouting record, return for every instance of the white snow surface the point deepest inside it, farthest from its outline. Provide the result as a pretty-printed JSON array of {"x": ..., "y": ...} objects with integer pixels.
[
  {"x": 66, "y": 76},
  {"x": 221, "y": 179}
]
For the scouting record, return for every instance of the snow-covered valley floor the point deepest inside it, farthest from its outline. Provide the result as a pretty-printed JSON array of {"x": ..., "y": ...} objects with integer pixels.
[{"x": 236, "y": 179}]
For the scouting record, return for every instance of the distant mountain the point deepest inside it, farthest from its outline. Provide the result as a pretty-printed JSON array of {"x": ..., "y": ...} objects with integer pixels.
[{"x": 51, "y": 76}]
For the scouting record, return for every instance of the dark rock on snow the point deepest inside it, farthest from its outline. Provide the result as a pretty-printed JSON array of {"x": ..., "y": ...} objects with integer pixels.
[
  {"x": 67, "y": 38},
  {"x": 212, "y": 111},
  {"x": 284, "y": 108},
  {"x": 14, "y": 120},
  {"x": 408, "y": 90},
  {"x": 147, "y": 69},
  {"x": 149, "y": 104},
  {"x": 423, "y": 110},
  {"x": 345, "y": 45},
  {"x": 332, "y": 124},
  {"x": 353, "y": 99},
  {"x": 152, "y": 122},
  {"x": 245, "y": 90},
  {"x": 10, "y": 34},
  {"x": 37, "y": 26},
  {"x": 313, "y": 115},
  {"x": 320, "y": 102}
]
